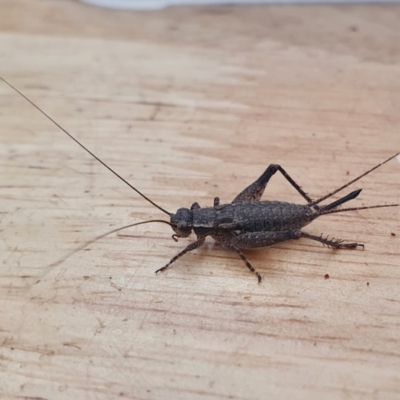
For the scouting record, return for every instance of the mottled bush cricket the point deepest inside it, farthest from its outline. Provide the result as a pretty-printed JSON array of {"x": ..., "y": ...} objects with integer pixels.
[{"x": 246, "y": 222}]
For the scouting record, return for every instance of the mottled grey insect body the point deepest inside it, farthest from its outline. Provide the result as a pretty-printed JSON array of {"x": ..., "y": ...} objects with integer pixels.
[
  {"x": 248, "y": 223},
  {"x": 258, "y": 216},
  {"x": 244, "y": 217}
]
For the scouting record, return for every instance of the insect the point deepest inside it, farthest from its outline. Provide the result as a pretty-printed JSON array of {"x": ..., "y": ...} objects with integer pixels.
[{"x": 246, "y": 222}]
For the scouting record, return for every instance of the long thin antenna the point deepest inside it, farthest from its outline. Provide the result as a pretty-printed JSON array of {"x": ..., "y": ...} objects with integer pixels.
[
  {"x": 86, "y": 149},
  {"x": 351, "y": 182},
  {"x": 101, "y": 237}
]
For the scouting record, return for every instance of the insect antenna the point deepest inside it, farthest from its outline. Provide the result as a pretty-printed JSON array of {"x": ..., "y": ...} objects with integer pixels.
[
  {"x": 104, "y": 235},
  {"x": 351, "y": 182},
  {"x": 85, "y": 148}
]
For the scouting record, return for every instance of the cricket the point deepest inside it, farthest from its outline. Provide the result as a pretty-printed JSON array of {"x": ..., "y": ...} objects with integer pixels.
[{"x": 247, "y": 222}]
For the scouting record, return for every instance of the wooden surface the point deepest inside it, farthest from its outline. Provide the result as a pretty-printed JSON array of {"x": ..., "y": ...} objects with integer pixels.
[{"x": 189, "y": 104}]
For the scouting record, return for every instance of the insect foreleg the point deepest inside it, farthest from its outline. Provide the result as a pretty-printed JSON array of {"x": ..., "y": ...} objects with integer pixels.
[
  {"x": 192, "y": 246},
  {"x": 256, "y": 189}
]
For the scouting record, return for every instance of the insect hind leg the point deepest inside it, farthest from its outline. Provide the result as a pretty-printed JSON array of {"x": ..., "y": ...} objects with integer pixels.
[
  {"x": 256, "y": 189},
  {"x": 332, "y": 243}
]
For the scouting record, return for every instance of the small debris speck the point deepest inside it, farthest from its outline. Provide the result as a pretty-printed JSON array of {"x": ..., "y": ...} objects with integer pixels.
[
  {"x": 367, "y": 283},
  {"x": 393, "y": 234},
  {"x": 326, "y": 276}
]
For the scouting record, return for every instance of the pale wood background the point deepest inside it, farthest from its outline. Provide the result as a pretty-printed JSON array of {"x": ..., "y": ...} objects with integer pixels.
[{"x": 188, "y": 104}]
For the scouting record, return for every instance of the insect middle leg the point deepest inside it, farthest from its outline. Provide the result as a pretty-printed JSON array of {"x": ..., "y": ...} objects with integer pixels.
[
  {"x": 244, "y": 259},
  {"x": 252, "y": 240}
]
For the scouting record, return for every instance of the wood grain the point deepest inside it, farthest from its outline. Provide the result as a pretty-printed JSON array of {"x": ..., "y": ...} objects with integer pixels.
[{"x": 189, "y": 104}]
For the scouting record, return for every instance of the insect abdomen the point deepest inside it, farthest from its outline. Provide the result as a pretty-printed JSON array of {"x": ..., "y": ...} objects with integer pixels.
[{"x": 269, "y": 216}]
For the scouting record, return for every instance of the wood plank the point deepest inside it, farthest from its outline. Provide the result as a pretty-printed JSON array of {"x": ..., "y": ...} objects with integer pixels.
[{"x": 189, "y": 104}]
